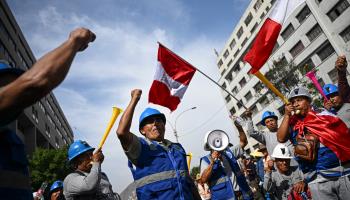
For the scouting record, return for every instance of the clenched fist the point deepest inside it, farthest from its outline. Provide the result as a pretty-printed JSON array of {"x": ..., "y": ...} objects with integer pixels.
[
  {"x": 81, "y": 37},
  {"x": 341, "y": 63},
  {"x": 136, "y": 94}
]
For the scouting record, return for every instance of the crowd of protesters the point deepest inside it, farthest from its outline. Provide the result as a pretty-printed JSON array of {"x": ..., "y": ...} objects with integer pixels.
[{"x": 306, "y": 156}]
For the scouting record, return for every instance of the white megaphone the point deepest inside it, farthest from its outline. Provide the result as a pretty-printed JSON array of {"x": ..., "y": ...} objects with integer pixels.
[{"x": 216, "y": 140}]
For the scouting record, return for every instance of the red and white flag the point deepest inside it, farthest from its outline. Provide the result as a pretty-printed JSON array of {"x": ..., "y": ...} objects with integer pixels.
[
  {"x": 173, "y": 75},
  {"x": 269, "y": 32}
]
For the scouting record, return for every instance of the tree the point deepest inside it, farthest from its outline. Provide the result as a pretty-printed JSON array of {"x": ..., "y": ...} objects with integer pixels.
[
  {"x": 194, "y": 172},
  {"x": 48, "y": 165}
]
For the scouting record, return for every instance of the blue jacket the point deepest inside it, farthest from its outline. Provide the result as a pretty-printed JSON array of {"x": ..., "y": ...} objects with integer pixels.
[
  {"x": 14, "y": 181},
  {"x": 220, "y": 184},
  {"x": 160, "y": 173}
]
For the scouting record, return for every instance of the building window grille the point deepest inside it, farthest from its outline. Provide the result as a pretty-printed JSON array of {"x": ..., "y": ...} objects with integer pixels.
[
  {"x": 242, "y": 82},
  {"x": 287, "y": 32},
  {"x": 240, "y": 32},
  {"x": 232, "y": 111},
  {"x": 235, "y": 90},
  {"x": 345, "y": 34},
  {"x": 338, "y": 9},
  {"x": 226, "y": 54},
  {"x": 303, "y": 14},
  {"x": 258, "y": 4},
  {"x": 228, "y": 98},
  {"x": 244, "y": 42},
  {"x": 220, "y": 63},
  {"x": 254, "y": 28},
  {"x": 239, "y": 105},
  {"x": 314, "y": 32},
  {"x": 248, "y": 19},
  {"x": 325, "y": 51},
  {"x": 229, "y": 63},
  {"x": 233, "y": 44},
  {"x": 333, "y": 75},
  {"x": 248, "y": 96},
  {"x": 297, "y": 49}
]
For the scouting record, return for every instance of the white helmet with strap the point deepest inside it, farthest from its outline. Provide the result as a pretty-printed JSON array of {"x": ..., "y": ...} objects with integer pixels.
[{"x": 281, "y": 151}]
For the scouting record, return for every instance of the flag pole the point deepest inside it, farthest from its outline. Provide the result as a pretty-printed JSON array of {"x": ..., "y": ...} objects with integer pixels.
[
  {"x": 216, "y": 83},
  {"x": 263, "y": 79}
]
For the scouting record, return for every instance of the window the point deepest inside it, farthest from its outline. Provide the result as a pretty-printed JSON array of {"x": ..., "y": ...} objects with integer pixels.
[
  {"x": 296, "y": 49},
  {"x": 254, "y": 27},
  {"x": 220, "y": 63},
  {"x": 325, "y": 51},
  {"x": 264, "y": 101},
  {"x": 258, "y": 87},
  {"x": 314, "y": 32},
  {"x": 244, "y": 42},
  {"x": 338, "y": 9},
  {"x": 235, "y": 90},
  {"x": 47, "y": 130},
  {"x": 228, "y": 98},
  {"x": 258, "y": 4},
  {"x": 275, "y": 47},
  {"x": 262, "y": 15},
  {"x": 233, "y": 44},
  {"x": 240, "y": 32},
  {"x": 254, "y": 110},
  {"x": 226, "y": 54},
  {"x": 229, "y": 63},
  {"x": 229, "y": 77},
  {"x": 248, "y": 19},
  {"x": 287, "y": 32},
  {"x": 333, "y": 75},
  {"x": 224, "y": 85},
  {"x": 242, "y": 82},
  {"x": 248, "y": 96},
  {"x": 303, "y": 14},
  {"x": 232, "y": 111},
  {"x": 223, "y": 72},
  {"x": 239, "y": 104},
  {"x": 236, "y": 68},
  {"x": 236, "y": 53},
  {"x": 345, "y": 34}
]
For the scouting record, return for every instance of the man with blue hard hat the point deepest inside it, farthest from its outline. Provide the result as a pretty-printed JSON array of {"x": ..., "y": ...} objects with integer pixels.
[
  {"x": 338, "y": 106},
  {"x": 18, "y": 90},
  {"x": 268, "y": 138},
  {"x": 159, "y": 167},
  {"x": 56, "y": 191},
  {"x": 87, "y": 181}
]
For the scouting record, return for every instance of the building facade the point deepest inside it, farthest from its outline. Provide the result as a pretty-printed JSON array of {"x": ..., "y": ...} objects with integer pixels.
[
  {"x": 42, "y": 124},
  {"x": 315, "y": 34}
]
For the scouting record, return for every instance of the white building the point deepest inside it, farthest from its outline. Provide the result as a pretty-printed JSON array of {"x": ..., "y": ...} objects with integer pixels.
[{"x": 316, "y": 33}]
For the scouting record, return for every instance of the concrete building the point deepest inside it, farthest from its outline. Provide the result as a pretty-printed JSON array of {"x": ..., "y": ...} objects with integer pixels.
[
  {"x": 315, "y": 34},
  {"x": 43, "y": 124}
]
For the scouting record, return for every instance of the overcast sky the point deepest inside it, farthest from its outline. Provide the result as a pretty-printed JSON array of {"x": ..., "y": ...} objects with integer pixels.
[{"x": 123, "y": 57}]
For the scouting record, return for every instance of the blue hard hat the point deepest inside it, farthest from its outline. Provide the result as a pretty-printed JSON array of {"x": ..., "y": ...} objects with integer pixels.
[
  {"x": 5, "y": 68},
  {"x": 77, "y": 148},
  {"x": 150, "y": 112},
  {"x": 56, "y": 185},
  {"x": 329, "y": 89},
  {"x": 267, "y": 114}
]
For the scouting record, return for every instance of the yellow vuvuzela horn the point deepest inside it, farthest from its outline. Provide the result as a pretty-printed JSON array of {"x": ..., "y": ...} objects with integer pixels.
[
  {"x": 189, "y": 161},
  {"x": 116, "y": 112}
]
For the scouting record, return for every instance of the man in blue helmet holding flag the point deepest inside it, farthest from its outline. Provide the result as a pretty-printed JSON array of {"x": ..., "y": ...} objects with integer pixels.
[
  {"x": 18, "y": 90},
  {"x": 87, "y": 181},
  {"x": 159, "y": 167}
]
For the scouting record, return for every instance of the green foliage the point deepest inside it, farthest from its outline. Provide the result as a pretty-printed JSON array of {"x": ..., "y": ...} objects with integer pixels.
[
  {"x": 48, "y": 165},
  {"x": 194, "y": 172}
]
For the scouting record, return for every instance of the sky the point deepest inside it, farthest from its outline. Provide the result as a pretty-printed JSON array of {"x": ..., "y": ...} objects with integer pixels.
[{"x": 124, "y": 57}]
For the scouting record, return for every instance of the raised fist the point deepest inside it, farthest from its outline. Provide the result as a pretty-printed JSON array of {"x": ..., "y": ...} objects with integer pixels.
[
  {"x": 136, "y": 94},
  {"x": 341, "y": 63},
  {"x": 81, "y": 37}
]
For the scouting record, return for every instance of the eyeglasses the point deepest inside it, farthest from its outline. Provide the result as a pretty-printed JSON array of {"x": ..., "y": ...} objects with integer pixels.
[{"x": 152, "y": 120}]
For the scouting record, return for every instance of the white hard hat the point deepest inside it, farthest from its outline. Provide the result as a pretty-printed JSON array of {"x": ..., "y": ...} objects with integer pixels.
[
  {"x": 281, "y": 151},
  {"x": 299, "y": 92}
]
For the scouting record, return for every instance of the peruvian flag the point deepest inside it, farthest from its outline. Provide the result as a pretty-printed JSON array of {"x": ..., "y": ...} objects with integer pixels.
[
  {"x": 269, "y": 32},
  {"x": 173, "y": 75}
]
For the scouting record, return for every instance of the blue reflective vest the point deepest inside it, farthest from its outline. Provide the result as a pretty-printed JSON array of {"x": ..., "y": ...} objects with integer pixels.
[
  {"x": 220, "y": 184},
  {"x": 160, "y": 173},
  {"x": 14, "y": 175}
]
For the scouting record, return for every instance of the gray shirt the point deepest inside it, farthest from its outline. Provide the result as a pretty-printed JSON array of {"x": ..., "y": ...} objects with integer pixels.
[
  {"x": 237, "y": 153},
  {"x": 280, "y": 185},
  {"x": 93, "y": 185},
  {"x": 269, "y": 139}
]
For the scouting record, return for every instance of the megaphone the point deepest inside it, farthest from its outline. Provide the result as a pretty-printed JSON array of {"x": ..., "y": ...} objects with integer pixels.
[{"x": 217, "y": 140}]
